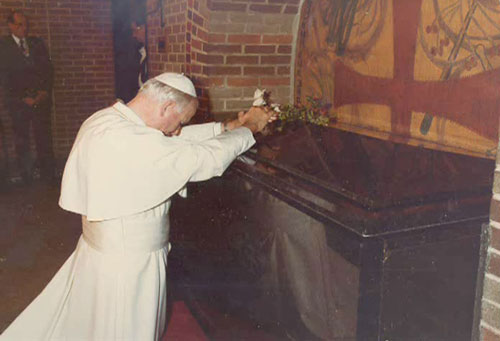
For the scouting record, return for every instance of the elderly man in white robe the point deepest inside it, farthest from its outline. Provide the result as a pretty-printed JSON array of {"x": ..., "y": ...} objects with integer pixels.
[{"x": 125, "y": 165}]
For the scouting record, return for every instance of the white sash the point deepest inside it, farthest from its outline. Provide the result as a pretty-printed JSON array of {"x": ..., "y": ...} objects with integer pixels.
[{"x": 126, "y": 235}]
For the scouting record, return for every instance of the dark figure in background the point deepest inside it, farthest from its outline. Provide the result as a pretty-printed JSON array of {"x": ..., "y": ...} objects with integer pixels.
[
  {"x": 27, "y": 75},
  {"x": 131, "y": 63}
]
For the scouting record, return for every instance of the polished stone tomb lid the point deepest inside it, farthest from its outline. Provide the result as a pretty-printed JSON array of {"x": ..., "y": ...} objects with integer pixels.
[{"x": 369, "y": 185}]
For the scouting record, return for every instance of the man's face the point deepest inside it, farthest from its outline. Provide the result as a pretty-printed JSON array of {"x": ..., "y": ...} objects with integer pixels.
[
  {"x": 173, "y": 119},
  {"x": 19, "y": 27},
  {"x": 139, "y": 32}
]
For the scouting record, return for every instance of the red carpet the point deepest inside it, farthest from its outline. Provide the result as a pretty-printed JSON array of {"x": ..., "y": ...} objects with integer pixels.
[
  {"x": 227, "y": 327},
  {"x": 183, "y": 326}
]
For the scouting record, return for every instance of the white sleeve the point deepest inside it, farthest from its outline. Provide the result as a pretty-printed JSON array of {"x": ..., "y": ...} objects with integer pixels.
[
  {"x": 212, "y": 157},
  {"x": 201, "y": 132}
]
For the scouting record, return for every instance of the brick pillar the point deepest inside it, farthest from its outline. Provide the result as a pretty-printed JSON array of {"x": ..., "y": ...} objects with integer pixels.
[
  {"x": 166, "y": 36},
  {"x": 490, "y": 312},
  {"x": 196, "y": 56},
  {"x": 250, "y": 46},
  {"x": 228, "y": 48}
]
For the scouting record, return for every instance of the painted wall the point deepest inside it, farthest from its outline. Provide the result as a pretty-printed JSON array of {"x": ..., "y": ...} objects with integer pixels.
[{"x": 423, "y": 72}]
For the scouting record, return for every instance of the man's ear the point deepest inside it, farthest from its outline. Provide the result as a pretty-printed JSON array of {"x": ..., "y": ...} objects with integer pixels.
[{"x": 167, "y": 106}]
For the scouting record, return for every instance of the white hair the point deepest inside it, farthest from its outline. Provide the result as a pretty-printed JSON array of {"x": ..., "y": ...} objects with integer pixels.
[{"x": 162, "y": 93}]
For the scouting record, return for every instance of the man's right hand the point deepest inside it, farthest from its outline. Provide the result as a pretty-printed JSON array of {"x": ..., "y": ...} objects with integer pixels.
[{"x": 256, "y": 118}]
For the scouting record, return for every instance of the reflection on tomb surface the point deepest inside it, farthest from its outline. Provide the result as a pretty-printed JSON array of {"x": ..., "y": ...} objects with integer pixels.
[{"x": 323, "y": 234}]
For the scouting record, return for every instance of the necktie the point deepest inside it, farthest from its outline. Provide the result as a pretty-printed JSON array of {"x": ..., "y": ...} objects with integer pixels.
[{"x": 24, "y": 47}]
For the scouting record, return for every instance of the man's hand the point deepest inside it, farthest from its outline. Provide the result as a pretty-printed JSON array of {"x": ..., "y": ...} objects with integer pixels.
[
  {"x": 29, "y": 101},
  {"x": 41, "y": 95},
  {"x": 256, "y": 118}
]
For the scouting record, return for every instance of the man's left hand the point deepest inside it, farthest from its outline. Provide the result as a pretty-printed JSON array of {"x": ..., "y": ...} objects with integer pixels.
[{"x": 29, "y": 101}]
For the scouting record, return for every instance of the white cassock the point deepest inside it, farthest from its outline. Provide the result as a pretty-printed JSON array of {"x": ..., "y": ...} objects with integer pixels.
[{"x": 120, "y": 176}]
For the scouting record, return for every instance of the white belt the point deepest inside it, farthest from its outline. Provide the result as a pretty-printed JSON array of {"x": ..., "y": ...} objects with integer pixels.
[{"x": 128, "y": 236}]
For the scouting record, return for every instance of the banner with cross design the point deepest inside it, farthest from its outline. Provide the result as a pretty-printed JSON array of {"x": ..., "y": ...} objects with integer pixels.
[{"x": 422, "y": 72}]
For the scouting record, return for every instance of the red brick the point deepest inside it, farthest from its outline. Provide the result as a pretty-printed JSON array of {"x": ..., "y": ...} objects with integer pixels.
[
  {"x": 258, "y": 70},
  {"x": 494, "y": 264},
  {"x": 266, "y": 8},
  {"x": 275, "y": 59},
  {"x": 176, "y": 48},
  {"x": 196, "y": 44},
  {"x": 210, "y": 59},
  {"x": 214, "y": 81},
  {"x": 242, "y": 60},
  {"x": 260, "y": 49},
  {"x": 222, "y": 48},
  {"x": 198, "y": 19},
  {"x": 196, "y": 68},
  {"x": 275, "y": 81},
  {"x": 216, "y": 38},
  {"x": 495, "y": 238},
  {"x": 242, "y": 81},
  {"x": 227, "y": 6},
  {"x": 285, "y": 49},
  {"x": 293, "y": 2},
  {"x": 277, "y": 39},
  {"x": 290, "y": 9},
  {"x": 487, "y": 335},
  {"x": 202, "y": 34},
  {"x": 59, "y": 12},
  {"x": 495, "y": 210},
  {"x": 284, "y": 70},
  {"x": 244, "y": 38},
  {"x": 222, "y": 70}
]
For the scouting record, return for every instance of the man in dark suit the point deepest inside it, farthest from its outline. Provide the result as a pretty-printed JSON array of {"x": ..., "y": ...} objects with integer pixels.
[
  {"x": 131, "y": 62},
  {"x": 27, "y": 76}
]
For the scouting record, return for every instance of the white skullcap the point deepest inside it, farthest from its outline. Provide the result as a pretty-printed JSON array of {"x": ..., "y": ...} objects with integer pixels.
[{"x": 177, "y": 81}]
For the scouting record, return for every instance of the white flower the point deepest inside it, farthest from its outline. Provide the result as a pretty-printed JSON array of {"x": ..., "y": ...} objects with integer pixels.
[
  {"x": 258, "y": 98},
  {"x": 276, "y": 107}
]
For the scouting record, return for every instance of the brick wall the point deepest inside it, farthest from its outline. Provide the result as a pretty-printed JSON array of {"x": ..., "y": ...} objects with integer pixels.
[
  {"x": 183, "y": 33},
  {"x": 38, "y": 27},
  {"x": 231, "y": 48},
  {"x": 78, "y": 35},
  {"x": 490, "y": 319},
  {"x": 250, "y": 46},
  {"x": 197, "y": 37},
  {"x": 172, "y": 32}
]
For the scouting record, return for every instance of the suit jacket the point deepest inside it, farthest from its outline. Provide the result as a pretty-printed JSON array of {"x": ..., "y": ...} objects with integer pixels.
[
  {"x": 24, "y": 76},
  {"x": 127, "y": 69}
]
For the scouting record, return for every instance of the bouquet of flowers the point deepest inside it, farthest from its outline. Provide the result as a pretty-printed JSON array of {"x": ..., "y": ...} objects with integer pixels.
[{"x": 314, "y": 111}]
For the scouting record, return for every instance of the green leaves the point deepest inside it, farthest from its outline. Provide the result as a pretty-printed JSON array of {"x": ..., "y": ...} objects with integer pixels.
[{"x": 315, "y": 112}]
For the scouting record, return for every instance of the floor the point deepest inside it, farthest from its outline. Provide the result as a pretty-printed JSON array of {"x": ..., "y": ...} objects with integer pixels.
[{"x": 36, "y": 237}]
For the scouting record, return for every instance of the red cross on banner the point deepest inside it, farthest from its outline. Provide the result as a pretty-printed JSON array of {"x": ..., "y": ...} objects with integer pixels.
[{"x": 472, "y": 102}]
